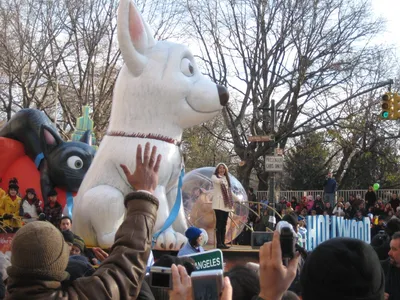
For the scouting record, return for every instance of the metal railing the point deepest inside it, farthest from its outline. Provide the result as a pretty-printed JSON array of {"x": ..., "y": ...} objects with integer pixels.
[{"x": 384, "y": 194}]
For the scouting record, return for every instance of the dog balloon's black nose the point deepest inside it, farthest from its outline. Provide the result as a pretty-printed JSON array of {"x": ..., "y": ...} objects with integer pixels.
[{"x": 223, "y": 94}]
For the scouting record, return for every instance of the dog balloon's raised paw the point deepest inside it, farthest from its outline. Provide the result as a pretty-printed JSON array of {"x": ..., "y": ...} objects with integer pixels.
[{"x": 170, "y": 240}]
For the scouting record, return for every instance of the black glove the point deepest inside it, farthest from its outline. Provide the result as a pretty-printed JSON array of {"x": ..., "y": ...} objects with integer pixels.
[
  {"x": 7, "y": 216},
  {"x": 42, "y": 217}
]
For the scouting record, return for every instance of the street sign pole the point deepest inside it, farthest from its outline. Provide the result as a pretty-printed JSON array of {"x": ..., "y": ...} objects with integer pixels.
[{"x": 271, "y": 185}]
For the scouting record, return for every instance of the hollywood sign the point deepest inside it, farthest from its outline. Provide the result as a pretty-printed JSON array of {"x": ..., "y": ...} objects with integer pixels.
[{"x": 321, "y": 228}]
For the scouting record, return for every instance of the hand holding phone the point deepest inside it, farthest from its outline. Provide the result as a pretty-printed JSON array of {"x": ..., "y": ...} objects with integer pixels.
[
  {"x": 275, "y": 278},
  {"x": 207, "y": 284},
  {"x": 160, "y": 277},
  {"x": 182, "y": 286},
  {"x": 288, "y": 239}
]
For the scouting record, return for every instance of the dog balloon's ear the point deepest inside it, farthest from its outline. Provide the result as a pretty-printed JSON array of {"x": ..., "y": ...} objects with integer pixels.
[{"x": 134, "y": 37}]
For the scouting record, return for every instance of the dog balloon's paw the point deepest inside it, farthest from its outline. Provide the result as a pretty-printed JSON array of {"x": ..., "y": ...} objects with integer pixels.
[{"x": 170, "y": 240}]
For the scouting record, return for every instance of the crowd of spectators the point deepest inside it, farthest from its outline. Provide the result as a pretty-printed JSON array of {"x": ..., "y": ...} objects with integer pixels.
[
  {"x": 53, "y": 263},
  {"x": 17, "y": 210},
  {"x": 356, "y": 207}
]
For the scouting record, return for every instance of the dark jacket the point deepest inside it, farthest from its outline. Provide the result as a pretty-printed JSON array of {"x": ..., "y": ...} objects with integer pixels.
[
  {"x": 2, "y": 287},
  {"x": 318, "y": 202},
  {"x": 370, "y": 198},
  {"x": 349, "y": 213},
  {"x": 394, "y": 203},
  {"x": 392, "y": 280},
  {"x": 330, "y": 186},
  {"x": 53, "y": 214},
  {"x": 381, "y": 244},
  {"x": 119, "y": 276},
  {"x": 79, "y": 266}
]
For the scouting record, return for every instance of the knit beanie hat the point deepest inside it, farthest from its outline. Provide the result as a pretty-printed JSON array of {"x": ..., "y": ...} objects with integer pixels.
[
  {"x": 342, "y": 268},
  {"x": 392, "y": 226},
  {"x": 39, "y": 252},
  {"x": 13, "y": 184},
  {"x": 192, "y": 233},
  {"x": 30, "y": 190},
  {"x": 52, "y": 193},
  {"x": 79, "y": 243},
  {"x": 68, "y": 236}
]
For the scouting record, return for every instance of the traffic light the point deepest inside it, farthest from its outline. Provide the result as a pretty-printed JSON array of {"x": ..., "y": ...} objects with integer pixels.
[
  {"x": 387, "y": 107},
  {"x": 396, "y": 106}
]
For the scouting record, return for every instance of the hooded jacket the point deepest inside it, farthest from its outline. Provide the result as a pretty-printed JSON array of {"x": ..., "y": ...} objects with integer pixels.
[
  {"x": 217, "y": 197},
  {"x": 119, "y": 276}
]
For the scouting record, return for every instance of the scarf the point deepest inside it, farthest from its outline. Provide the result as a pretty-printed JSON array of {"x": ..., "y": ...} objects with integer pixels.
[{"x": 227, "y": 195}]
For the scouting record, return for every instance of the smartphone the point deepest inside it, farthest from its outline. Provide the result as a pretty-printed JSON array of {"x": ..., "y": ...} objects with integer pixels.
[
  {"x": 207, "y": 285},
  {"x": 288, "y": 243},
  {"x": 161, "y": 277}
]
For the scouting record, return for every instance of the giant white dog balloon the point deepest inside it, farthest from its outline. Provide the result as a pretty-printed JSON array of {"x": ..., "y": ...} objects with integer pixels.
[{"x": 158, "y": 93}]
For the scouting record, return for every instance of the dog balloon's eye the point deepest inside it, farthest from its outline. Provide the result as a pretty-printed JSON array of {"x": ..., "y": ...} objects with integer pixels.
[
  {"x": 75, "y": 162},
  {"x": 187, "y": 67}
]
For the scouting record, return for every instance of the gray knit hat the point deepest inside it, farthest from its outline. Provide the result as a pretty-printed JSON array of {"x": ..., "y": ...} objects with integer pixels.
[{"x": 39, "y": 252}]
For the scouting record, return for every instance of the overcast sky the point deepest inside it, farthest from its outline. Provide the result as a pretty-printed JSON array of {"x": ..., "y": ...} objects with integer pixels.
[{"x": 390, "y": 10}]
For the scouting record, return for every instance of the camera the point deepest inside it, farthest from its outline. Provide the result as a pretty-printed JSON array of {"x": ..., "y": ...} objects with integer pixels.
[
  {"x": 207, "y": 284},
  {"x": 287, "y": 239},
  {"x": 161, "y": 277}
]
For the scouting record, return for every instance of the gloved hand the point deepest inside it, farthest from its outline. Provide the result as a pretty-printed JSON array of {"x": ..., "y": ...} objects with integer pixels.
[
  {"x": 7, "y": 216},
  {"x": 27, "y": 216},
  {"x": 42, "y": 217}
]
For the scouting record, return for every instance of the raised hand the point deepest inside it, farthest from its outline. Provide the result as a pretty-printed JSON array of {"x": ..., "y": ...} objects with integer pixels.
[
  {"x": 181, "y": 284},
  {"x": 100, "y": 253},
  {"x": 227, "y": 291},
  {"x": 275, "y": 278},
  {"x": 145, "y": 176}
]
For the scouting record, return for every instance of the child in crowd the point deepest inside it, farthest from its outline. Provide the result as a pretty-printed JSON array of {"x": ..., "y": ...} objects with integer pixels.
[
  {"x": 77, "y": 247},
  {"x": 30, "y": 207},
  {"x": 53, "y": 209},
  {"x": 194, "y": 243},
  {"x": 303, "y": 233}
]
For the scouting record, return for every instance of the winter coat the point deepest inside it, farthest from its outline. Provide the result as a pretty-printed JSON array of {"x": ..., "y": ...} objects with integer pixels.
[
  {"x": 321, "y": 205},
  {"x": 392, "y": 279},
  {"x": 118, "y": 277},
  {"x": 53, "y": 213},
  {"x": 349, "y": 213},
  {"x": 370, "y": 198},
  {"x": 339, "y": 211},
  {"x": 11, "y": 207},
  {"x": 394, "y": 203},
  {"x": 217, "y": 198},
  {"x": 34, "y": 209},
  {"x": 309, "y": 205},
  {"x": 330, "y": 186},
  {"x": 188, "y": 249}
]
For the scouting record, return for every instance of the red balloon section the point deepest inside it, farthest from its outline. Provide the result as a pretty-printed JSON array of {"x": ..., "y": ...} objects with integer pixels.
[{"x": 15, "y": 163}]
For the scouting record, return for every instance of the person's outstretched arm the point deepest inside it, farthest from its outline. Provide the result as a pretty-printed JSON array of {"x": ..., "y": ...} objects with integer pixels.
[{"x": 121, "y": 274}]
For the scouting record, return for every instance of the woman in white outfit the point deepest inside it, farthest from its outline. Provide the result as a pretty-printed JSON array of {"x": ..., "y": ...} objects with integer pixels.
[{"x": 222, "y": 202}]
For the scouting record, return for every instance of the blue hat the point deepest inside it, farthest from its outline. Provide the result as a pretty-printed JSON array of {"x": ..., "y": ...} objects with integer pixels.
[{"x": 193, "y": 233}]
